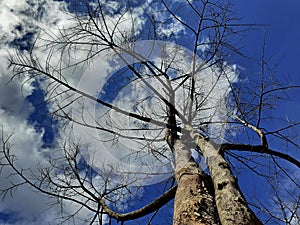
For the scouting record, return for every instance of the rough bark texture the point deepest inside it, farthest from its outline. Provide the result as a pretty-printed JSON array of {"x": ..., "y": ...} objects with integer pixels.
[
  {"x": 231, "y": 204},
  {"x": 194, "y": 199}
]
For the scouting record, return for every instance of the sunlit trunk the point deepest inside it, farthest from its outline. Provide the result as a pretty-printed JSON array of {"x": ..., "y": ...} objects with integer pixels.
[
  {"x": 231, "y": 204},
  {"x": 194, "y": 200}
]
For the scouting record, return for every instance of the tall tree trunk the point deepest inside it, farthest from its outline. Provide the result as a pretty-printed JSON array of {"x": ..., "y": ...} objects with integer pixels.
[
  {"x": 231, "y": 204},
  {"x": 194, "y": 199}
]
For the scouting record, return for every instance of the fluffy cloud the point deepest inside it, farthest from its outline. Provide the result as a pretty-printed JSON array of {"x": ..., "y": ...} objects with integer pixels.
[
  {"x": 136, "y": 160},
  {"x": 21, "y": 22},
  {"x": 15, "y": 109}
]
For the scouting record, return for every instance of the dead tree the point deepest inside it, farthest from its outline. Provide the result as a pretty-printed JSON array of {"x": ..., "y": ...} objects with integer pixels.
[{"x": 175, "y": 111}]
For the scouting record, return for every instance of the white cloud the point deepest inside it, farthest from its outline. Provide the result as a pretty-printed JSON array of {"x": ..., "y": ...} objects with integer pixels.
[
  {"x": 15, "y": 109},
  {"x": 18, "y": 17},
  {"x": 167, "y": 25},
  {"x": 204, "y": 44},
  {"x": 128, "y": 158},
  {"x": 26, "y": 146},
  {"x": 26, "y": 206}
]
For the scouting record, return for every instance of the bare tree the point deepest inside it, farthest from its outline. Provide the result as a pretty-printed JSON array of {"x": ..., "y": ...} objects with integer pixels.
[{"x": 167, "y": 106}]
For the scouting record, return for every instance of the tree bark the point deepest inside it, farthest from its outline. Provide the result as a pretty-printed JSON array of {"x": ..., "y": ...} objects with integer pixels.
[
  {"x": 231, "y": 204},
  {"x": 194, "y": 200}
]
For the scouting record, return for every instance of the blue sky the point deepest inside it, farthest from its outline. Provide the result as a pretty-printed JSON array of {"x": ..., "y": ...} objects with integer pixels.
[
  {"x": 35, "y": 132},
  {"x": 282, "y": 35}
]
